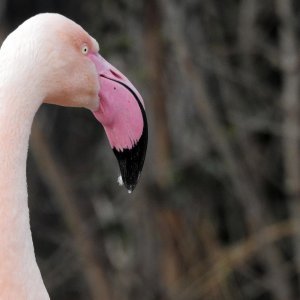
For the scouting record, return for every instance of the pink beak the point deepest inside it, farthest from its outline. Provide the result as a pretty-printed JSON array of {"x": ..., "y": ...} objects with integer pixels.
[{"x": 122, "y": 114}]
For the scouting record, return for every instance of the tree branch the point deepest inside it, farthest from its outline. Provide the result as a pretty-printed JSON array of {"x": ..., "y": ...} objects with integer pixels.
[{"x": 290, "y": 105}]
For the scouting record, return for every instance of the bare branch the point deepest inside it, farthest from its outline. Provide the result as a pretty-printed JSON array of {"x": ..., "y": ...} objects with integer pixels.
[{"x": 290, "y": 105}]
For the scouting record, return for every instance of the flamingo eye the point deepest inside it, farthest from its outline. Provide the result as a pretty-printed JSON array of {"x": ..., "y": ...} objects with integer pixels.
[{"x": 85, "y": 49}]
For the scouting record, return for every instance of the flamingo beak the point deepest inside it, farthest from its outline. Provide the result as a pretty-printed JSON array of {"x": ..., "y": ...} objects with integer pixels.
[{"x": 122, "y": 114}]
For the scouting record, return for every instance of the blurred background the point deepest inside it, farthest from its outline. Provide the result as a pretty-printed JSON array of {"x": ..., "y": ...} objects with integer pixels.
[{"x": 217, "y": 212}]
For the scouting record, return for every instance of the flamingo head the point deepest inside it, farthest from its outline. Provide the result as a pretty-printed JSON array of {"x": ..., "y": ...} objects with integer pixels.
[{"x": 70, "y": 72}]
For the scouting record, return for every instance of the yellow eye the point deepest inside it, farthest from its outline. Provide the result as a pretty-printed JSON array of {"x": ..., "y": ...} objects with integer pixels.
[{"x": 85, "y": 49}]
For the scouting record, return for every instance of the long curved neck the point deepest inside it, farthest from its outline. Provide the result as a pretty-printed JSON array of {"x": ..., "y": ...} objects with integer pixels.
[{"x": 20, "y": 277}]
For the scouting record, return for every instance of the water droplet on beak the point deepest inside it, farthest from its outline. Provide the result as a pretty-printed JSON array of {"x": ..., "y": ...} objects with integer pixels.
[{"x": 120, "y": 180}]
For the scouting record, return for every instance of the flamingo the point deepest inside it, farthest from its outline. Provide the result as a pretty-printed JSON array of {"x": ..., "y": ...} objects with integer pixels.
[{"x": 51, "y": 59}]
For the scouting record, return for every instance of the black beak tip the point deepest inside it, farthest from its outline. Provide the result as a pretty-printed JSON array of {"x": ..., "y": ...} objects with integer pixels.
[{"x": 131, "y": 161}]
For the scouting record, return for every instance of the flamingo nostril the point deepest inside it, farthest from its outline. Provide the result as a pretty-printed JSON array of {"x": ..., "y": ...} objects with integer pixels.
[{"x": 116, "y": 74}]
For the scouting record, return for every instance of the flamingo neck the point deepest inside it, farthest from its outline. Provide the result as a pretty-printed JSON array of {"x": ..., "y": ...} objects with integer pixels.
[{"x": 20, "y": 277}]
